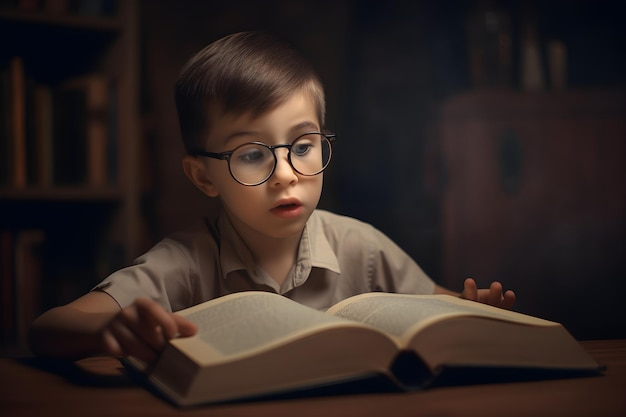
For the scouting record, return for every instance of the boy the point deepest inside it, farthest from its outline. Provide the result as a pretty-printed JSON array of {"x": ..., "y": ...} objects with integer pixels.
[{"x": 251, "y": 114}]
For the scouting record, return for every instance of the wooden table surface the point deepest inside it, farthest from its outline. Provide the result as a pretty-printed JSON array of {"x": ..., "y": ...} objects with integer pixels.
[{"x": 100, "y": 387}]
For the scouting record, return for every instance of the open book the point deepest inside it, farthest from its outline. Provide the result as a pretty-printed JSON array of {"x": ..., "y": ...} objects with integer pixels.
[{"x": 252, "y": 344}]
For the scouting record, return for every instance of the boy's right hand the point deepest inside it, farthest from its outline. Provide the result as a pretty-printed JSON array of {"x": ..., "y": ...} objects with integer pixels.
[
  {"x": 142, "y": 329},
  {"x": 94, "y": 324}
]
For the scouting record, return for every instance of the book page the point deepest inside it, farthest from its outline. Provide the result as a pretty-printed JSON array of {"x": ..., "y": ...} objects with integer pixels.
[
  {"x": 398, "y": 313},
  {"x": 239, "y": 322}
]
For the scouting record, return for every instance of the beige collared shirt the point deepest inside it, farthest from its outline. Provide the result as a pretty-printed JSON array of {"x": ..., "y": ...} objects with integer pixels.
[{"x": 338, "y": 257}]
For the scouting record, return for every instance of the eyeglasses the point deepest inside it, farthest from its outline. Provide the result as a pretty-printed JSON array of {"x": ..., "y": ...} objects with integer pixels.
[{"x": 254, "y": 163}]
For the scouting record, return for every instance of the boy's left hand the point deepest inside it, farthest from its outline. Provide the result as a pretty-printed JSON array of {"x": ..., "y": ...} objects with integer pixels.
[{"x": 492, "y": 296}]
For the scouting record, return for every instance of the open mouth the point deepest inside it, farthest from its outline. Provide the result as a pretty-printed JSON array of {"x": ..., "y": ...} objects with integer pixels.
[
  {"x": 288, "y": 203},
  {"x": 289, "y": 209},
  {"x": 288, "y": 206}
]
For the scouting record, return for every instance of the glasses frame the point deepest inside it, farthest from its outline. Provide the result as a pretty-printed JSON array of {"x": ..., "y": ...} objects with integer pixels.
[{"x": 226, "y": 155}]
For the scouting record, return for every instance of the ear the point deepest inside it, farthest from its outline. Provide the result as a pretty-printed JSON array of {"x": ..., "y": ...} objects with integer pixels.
[{"x": 197, "y": 173}]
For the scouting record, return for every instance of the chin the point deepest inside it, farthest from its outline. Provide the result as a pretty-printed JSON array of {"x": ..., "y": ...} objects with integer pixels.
[{"x": 290, "y": 228}]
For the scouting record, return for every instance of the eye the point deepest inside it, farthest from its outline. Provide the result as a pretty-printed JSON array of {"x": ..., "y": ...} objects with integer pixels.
[
  {"x": 251, "y": 155},
  {"x": 306, "y": 144},
  {"x": 301, "y": 148}
]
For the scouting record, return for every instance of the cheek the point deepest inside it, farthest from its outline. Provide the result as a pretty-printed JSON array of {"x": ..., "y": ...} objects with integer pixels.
[
  {"x": 216, "y": 169},
  {"x": 219, "y": 175},
  {"x": 237, "y": 196},
  {"x": 246, "y": 206},
  {"x": 318, "y": 184}
]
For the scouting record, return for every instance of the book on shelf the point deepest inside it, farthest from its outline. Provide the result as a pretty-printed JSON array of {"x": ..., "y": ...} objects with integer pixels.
[
  {"x": 18, "y": 123},
  {"x": 256, "y": 344},
  {"x": 112, "y": 154},
  {"x": 56, "y": 7},
  {"x": 8, "y": 287},
  {"x": 28, "y": 5},
  {"x": 6, "y": 134},
  {"x": 69, "y": 106},
  {"x": 43, "y": 136},
  {"x": 24, "y": 127},
  {"x": 28, "y": 280},
  {"x": 95, "y": 88},
  {"x": 21, "y": 268},
  {"x": 30, "y": 128},
  {"x": 56, "y": 134}
]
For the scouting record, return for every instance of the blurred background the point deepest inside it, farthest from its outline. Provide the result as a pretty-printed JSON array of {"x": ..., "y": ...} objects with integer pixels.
[
  {"x": 487, "y": 138},
  {"x": 476, "y": 161}
]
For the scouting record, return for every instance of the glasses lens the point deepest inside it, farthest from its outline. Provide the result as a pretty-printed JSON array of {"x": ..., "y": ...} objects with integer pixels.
[
  {"x": 310, "y": 154},
  {"x": 251, "y": 164}
]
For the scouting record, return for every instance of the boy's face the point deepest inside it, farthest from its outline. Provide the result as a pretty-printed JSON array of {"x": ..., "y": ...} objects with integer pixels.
[{"x": 280, "y": 207}]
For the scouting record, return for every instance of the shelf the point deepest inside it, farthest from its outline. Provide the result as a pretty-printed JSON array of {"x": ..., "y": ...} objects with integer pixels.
[
  {"x": 69, "y": 154},
  {"x": 68, "y": 193},
  {"x": 58, "y": 46},
  {"x": 98, "y": 23}
]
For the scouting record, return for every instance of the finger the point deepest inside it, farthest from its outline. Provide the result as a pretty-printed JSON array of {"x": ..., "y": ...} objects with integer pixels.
[
  {"x": 470, "y": 290},
  {"x": 130, "y": 343},
  {"x": 495, "y": 294},
  {"x": 509, "y": 300},
  {"x": 146, "y": 328},
  {"x": 163, "y": 326},
  {"x": 168, "y": 325},
  {"x": 185, "y": 327},
  {"x": 111, "y": 346}
]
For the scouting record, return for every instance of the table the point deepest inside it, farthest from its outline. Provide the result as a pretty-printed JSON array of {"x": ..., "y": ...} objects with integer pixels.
[{"x": 100, "y": 387}]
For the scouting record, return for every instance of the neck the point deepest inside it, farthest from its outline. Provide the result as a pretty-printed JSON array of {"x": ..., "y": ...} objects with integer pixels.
[
  {"x": 275, "y": 255},
  {"x": 269, "y": 250}
]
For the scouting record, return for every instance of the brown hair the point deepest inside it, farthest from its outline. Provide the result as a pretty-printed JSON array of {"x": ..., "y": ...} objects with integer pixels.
[{"x": 240, "y": 73}]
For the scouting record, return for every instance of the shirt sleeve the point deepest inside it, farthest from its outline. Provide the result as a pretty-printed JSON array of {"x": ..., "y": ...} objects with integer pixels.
[
  {"x": 393, "y": 270},
  {"x": 163, "y": 274}
]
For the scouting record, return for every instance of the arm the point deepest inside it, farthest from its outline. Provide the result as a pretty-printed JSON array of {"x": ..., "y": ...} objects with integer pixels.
[
  {"x": 94, "y": 324},
  {"x": 492, "y": 295}
]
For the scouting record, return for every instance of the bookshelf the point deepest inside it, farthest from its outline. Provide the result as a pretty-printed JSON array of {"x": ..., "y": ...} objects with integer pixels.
[
  {"x": 535, "y": 197},
  {"x": 70, "y": 163}
]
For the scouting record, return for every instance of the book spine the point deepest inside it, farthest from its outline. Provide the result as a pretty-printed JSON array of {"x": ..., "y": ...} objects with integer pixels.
[
  {"x": 7, "y": 280},
  {"x": 56, "y": 135},
  {"x": 56, "y": 6},
  {"x": 18, "y": 123},
  {"x": 30, "y": 128},
  {"x": 69, "y": 136},
  {"x": 6, "y": 134},
  {"x": 97, "y": 135},
  {"x": 82, "y": 123},
  {"x": 28, "y": 5},
  {"x": 28, "y": 280},
  {"x": 44, "y": 141},
  {"x": 112, "y": 153}
]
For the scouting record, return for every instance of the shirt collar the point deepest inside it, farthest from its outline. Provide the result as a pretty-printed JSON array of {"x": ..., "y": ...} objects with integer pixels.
[
  {"x": 234, "y": 253},
  {"x": 321, "y": 253}
]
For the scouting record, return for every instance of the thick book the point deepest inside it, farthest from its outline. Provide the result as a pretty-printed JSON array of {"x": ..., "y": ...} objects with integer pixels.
[
  {"x": 18, "y": 123},
  {"x": 80, "y": 131},
  {"x": 95, "y": 88},
  {"x": 256, "y": 344}
]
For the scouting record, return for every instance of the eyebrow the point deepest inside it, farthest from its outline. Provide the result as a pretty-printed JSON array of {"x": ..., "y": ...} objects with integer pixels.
[{"x": 308, "y": 125}]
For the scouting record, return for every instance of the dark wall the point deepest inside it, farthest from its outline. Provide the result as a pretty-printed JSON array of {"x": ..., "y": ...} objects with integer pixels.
[
  {"x": 174, "y": 30},
  {"x": 388, "y": 68}
]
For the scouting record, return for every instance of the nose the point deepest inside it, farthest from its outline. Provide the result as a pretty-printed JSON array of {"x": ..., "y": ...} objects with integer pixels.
[{"x": 283, "y": 174}]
